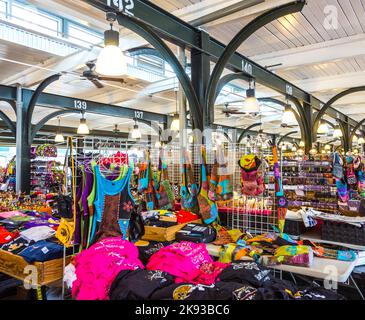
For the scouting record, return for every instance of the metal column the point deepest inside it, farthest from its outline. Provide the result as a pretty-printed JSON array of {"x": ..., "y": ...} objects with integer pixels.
[
  {"x": 182, "y": 104},
  {"x": 22, "y": 143},
  {"x": 200, "y": 74}
]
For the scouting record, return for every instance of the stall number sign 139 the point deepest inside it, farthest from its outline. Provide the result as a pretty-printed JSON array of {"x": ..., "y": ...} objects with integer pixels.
[
  {"x": 80, "y": 105},
  {"x": 126, "y": 6}
]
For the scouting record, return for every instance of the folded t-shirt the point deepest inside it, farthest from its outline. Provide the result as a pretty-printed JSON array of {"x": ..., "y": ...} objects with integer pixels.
[
  {"x": 42, "y": 251},
  {"x": 38, "y": 233},
  {"x": 16, "y": 246}
]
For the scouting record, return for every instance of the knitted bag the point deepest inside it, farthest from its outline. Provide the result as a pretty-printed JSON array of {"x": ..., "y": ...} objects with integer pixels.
[
  {"x": 337, "y": 170},
  {"x": 208, "y": 208},
  {"x": 189, "y": 201}
]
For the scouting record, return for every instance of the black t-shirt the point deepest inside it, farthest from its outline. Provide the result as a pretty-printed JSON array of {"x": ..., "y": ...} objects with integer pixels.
[
  {"x": 246, "y": 272},
  {"x": 138, "y": 284}
]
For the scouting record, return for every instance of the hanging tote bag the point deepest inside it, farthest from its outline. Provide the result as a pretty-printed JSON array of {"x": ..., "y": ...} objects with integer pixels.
[
  {"x": 208, "y": 208},
  {"x": 224, "y": 187},
  {"x": 350, "y": 175},
  {"x": 189, "y": 201},
  {"x": 164, "y": 194},
  {"x": 146, "y": 183},
  {"x": 337, "y": 170}
]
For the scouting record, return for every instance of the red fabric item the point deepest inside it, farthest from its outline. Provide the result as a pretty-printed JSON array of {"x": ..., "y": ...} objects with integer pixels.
[
  {"x": 186, "y": 216},
  {"x": 6, "y": 236},
  {"x": 209, "y": 273}
]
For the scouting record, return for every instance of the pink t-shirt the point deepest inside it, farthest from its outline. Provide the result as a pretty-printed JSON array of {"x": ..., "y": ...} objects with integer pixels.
[{"x": 97, "y": 267}]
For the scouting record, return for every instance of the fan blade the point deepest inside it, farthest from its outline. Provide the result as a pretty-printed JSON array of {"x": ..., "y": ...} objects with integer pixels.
[
  {"x": 97, "y": 84},
  {"x": 111, "y": 79}
]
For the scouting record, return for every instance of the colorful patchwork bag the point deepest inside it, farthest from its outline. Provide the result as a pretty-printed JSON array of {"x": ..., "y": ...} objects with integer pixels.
[
  {"x": 164, "y": 192},
  {"x": 252, "y": 180},
  {"x": 224, "y": 189},
  {"x": 350, "y": 175},
  {"x": 337, "y": 166},
  {"x": 208, "y": 208},
  {"x": 189, "y": 201}
]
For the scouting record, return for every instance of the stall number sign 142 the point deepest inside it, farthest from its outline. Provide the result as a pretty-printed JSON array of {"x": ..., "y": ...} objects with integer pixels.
[{"x": 125, "y": 6}]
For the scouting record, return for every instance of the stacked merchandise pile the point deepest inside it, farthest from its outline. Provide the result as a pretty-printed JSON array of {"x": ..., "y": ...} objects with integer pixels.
[
  {"x": 177, "y": 271},
  {"x": 46, "y": 173},
  {"x": 30, "y": 234},
  {"x": 309, "y": 182},
  {"x": 350, "y": 181}
]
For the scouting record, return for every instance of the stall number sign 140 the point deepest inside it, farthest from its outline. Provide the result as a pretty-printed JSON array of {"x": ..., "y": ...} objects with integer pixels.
[{"x": 125, "y": 6}]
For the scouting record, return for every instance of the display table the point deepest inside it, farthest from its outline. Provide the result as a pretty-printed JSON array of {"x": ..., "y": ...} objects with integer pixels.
[
  {"x": 316, "y": 237},
  {"x": 48, "y": 272},
  {"x": 322, "y": 269}
]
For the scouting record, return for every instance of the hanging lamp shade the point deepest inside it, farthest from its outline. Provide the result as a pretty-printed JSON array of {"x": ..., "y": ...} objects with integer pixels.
[
  {"x": 327, "y": 147},
  {"x": 323, "y": 128},
  {"x": 251, "y": 104},
  {"x": 111, "y": 60},
  {"x": 59, "y": 138},
  {"x": 83, "y": 127},
  {"x": 337, "y": 133},
  {"x": 313, "y": 151},
  {"x": 302, "y": 144},
  {"x": 361, "y": 140},
  {"x": 288, "y": 116},
  {"x": 175, "y": 124},
  {"x": 136, "y": 133}
]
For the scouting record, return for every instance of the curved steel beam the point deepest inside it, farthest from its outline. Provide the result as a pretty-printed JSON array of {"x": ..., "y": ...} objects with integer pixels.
[
  {"x": 246, "y": 130},
  {"x": 240, "y": 37},
  {"x": 150, "y": 36},
  {"x": 145, "y": 51},
  {"x": 8, "y": 122},
  {"x": 285, "y": 136},
  {"x": 328, "y": 122},
  {"x": 357, "y": 127},
  {"x": 331, "y": 102},
  {"x": 33, "y": 101},
  {"x": 229, "y": 78},
  {"x": 43, "y": 122}
]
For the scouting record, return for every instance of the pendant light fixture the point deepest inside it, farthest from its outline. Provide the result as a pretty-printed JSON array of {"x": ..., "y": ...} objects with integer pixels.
[
  {"x": 313, "y": 151},
  {"x": 323, "y": 128},
  {"x": 302, "y": 144},
  {"x": 83, "y": 127},
  {"x": 175, "y": 124},
  {"x": 251, "y": 104},
  {"x": 136, "y": 133},
  {"x": 300, "y": 152},
  {"x": 59, "y": 136},
  {"x": 361, "y": 140},
  {"x": 327, "y": 147},
  {"x": 337, "y": 133},
  {"x": 294, "y": 149},
  {"x": 111, "y": 61},
  {"x": 288, "y": 115}
]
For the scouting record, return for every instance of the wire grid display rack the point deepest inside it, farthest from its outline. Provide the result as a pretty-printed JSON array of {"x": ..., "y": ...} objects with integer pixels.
[
  {"x": 238, "y": 211},
  {"x": 254, "y": 214}
]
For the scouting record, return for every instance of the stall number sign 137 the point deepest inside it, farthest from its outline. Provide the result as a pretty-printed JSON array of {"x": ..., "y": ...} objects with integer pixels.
[{"x": 125, "y": 6}]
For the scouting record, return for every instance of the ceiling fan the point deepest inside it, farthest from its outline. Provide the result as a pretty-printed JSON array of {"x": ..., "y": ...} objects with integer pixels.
[{"x": 92, "y": 76}]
